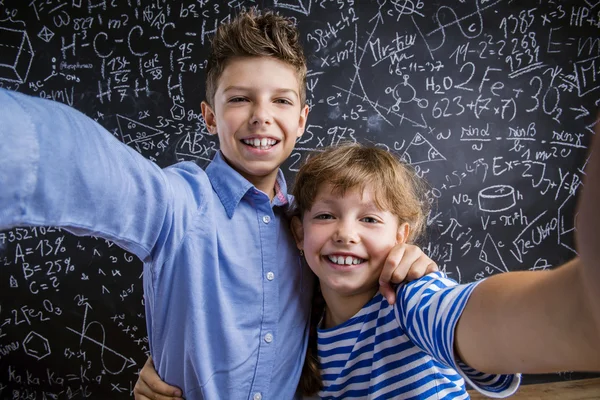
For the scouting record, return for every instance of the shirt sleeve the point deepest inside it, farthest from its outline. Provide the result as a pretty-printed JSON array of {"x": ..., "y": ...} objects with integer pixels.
[
  {"x": 60, "y": 168},
  {"x": 428, "y": 310}
]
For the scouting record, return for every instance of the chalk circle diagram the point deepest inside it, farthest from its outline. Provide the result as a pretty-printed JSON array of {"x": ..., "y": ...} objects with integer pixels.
[{"x": 496, "y": 198}]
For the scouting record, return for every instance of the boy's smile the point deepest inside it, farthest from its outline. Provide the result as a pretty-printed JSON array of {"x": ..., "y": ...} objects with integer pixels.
[{"x": 258, "y": 116}]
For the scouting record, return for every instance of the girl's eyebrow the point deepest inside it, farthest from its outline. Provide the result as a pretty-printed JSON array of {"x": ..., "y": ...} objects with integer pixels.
[{"x": 369, "y": 205}]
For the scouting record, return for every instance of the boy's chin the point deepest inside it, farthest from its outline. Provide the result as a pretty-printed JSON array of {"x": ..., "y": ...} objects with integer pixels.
[{"x": 260, "y": 171}]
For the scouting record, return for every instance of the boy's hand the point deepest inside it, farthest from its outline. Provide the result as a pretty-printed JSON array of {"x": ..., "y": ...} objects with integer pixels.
[
  {"x": 405, "y": 262},
  {"x": 149, "y": 386}
]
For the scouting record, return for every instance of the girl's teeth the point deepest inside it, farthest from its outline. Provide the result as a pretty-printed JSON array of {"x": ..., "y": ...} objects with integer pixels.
[
  {"x": 256, "y": 142},
  {"x": 348, "y": 260},
  {"x": 263, "y": 142}
]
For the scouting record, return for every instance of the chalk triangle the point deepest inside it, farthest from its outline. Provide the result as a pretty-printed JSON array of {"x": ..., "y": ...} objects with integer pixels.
[
  {"x": 420, "y": 150},
  {"x": 490, "y": 254}
]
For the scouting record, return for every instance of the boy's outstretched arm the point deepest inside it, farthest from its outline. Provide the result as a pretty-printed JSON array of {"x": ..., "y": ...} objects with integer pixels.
[
  {"x": 60, "y": 168},
  {"x": 535, "y": 322}
]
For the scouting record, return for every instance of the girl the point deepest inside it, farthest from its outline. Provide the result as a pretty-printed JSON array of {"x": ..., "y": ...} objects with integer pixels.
[{"x": 353, "y": 204}]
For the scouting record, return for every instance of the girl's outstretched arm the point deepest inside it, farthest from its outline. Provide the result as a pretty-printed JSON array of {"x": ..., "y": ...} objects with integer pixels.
[
  {"x": 549, "y": 321},
  {"x": 588, "y": 223}
]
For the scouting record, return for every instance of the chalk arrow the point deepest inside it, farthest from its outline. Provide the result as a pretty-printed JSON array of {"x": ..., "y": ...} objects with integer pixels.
[
  {"x": 583, "y": 111},
  {"x": 418, "y": 125}
]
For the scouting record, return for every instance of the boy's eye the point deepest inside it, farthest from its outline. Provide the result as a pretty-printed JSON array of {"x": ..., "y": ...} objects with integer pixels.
[
  {"x": 284, "y": 101},
  {"x": 324, "y": 216},
  {"x": 237, "y": 99}
]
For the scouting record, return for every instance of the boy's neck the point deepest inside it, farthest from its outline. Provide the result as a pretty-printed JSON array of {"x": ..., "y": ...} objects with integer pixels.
[
  {"x": 265, "y": 184},
  {"x": 341, "y": 308}
]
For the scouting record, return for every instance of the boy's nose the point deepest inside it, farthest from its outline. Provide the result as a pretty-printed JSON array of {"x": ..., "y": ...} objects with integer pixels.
[{"x": 260, "y": 115}]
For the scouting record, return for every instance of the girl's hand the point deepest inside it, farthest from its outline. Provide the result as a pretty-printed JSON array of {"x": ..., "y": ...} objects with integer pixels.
[
  {"x": 405, "y": 262},
  {"x": 149, "y": 386}
]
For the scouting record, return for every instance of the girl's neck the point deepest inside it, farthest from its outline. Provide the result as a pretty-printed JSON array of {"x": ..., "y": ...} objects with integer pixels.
[{"x": 341, "y": 308}]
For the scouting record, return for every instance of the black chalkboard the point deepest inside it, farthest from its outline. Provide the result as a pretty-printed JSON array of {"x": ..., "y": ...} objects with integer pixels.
[{"x": 492, "y": 101}]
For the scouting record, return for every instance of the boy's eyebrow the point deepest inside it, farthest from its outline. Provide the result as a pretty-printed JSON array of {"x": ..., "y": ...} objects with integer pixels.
[{"x": 247, "y": 89}]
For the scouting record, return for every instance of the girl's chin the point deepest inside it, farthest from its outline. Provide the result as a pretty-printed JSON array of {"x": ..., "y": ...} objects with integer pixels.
[{"x": 344, "y": 289}]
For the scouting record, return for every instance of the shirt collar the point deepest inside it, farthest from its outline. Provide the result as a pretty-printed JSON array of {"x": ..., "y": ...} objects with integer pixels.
[{"x": 231, "y": 187}]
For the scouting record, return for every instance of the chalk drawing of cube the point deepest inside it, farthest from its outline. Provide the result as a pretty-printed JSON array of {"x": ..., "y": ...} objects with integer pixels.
[
  {"x": 36, "y": 346},
  {"x": 16, "y": 55}
]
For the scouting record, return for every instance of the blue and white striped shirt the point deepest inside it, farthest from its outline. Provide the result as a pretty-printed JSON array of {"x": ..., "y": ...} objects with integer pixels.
[{"x": 406, "y": 350}]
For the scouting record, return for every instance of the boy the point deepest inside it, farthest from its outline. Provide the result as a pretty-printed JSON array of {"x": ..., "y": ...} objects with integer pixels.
[{"x": 227, "y": 298}]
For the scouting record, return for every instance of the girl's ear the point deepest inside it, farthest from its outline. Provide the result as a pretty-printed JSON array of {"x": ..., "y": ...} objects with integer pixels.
[
  {"x": 298, "y": 232},
  {"x": 403, "y": 232}
]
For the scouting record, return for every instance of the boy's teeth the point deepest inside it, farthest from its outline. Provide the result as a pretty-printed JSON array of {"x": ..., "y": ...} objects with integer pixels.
[
  {"x": 347, "y": 260},
  {"x": 263, "y": 143}
]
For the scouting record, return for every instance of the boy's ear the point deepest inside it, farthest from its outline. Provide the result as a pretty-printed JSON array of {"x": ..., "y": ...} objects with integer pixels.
[
  {"x": 302, "y": 121},
  {"x": 209, "y": 117},
  {"x": 403, "y": 232},
  {"x": 298, "y": 232}
]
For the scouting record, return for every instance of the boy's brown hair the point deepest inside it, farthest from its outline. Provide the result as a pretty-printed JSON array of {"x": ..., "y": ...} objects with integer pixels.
[
  {"x": 254, "y": 34},
  {"x": 397, "y": 189}
]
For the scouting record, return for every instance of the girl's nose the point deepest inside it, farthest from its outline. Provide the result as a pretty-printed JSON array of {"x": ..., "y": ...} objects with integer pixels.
[{"x": 345, "y": 233}]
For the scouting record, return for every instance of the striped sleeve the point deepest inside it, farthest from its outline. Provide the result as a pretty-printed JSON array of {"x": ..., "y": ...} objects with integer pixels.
[{"x": 428, "y": 310}]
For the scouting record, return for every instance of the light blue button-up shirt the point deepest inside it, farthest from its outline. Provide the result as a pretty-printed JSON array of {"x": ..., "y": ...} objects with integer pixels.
[{"x": 227, "y": 299}]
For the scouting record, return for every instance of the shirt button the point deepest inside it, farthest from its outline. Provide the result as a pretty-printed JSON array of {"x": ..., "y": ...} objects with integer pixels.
[
  {"x": 257, "y": 396},
  {"x": 266, "y": 219},
  {"x": 268, "y": 338},
  {"x": 270, "y": 276}
]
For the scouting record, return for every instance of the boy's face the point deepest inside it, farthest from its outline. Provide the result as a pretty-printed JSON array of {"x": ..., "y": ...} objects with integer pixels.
[
  {"x": 258, "y": 117},
  {"x": 346, "y": 240}
]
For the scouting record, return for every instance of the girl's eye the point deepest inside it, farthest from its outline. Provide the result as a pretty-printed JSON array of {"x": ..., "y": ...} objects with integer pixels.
[
  {"x": 324, "y": 216},
  {"x": 370, "y": 220}
]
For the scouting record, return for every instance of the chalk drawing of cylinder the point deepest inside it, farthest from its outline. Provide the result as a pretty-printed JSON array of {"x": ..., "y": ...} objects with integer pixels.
[
  {"x": 496, "y": 198},
  {"x": 16, "y": 55}
]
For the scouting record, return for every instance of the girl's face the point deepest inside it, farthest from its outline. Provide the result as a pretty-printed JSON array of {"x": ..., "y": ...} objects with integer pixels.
[{"x": 346, "y": 240}]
